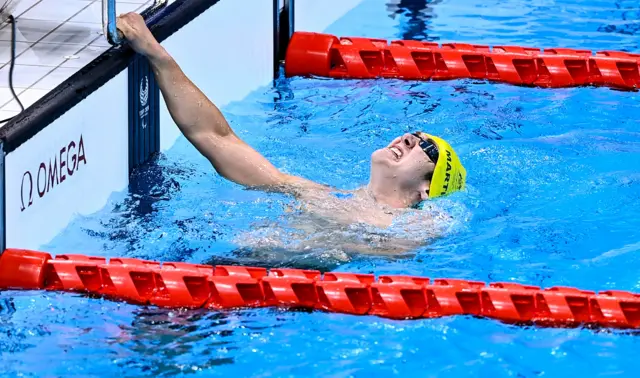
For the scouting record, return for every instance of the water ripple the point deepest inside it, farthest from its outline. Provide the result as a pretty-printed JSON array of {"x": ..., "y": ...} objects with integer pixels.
[{"x": 552, "y": 199}]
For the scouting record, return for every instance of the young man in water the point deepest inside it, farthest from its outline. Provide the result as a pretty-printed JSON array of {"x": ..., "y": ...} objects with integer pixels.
[{"x": 411, "y": 169}]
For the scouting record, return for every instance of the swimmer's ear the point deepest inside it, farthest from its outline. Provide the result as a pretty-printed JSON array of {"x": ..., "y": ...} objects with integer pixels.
[{"x": 424, "y": 190}]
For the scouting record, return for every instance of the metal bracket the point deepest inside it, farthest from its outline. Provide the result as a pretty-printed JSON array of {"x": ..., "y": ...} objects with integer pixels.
[
  {"x": 283, "y": 28},
  {"x": 109, "y": 19},
  {"x": 3, "y": 208}
]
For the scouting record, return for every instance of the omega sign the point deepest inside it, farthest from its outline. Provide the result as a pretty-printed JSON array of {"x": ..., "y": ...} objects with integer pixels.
[{"x": 60, "y": 167}]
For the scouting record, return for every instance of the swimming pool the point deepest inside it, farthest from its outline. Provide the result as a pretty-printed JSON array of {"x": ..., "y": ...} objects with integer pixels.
[{"x": 552, "y": 190}]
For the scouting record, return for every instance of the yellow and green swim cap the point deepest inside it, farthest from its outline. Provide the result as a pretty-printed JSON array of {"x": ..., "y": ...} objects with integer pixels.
[{"x": 449, "y": 174}]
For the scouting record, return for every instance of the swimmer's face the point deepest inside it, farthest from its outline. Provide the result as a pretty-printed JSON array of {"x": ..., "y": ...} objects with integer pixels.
[{"x": 402, "y": 166}]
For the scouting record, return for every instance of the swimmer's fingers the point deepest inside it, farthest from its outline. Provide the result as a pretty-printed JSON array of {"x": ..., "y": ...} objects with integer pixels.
[
  {"x": 134, "y": 29},
  {"x": 125, "y": 25},
  {"x": 119, "y": 28}
]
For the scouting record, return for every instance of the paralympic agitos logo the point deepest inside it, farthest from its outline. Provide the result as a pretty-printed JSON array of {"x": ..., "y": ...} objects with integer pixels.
[{"x": 61, "y": 166}]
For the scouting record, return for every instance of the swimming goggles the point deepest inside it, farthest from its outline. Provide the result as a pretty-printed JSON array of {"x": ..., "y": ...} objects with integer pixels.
[{"x": 428, "y": 147}]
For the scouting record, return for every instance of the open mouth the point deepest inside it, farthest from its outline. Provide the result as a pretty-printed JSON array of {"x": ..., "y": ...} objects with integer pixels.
[{"x": 396, "y": 151}]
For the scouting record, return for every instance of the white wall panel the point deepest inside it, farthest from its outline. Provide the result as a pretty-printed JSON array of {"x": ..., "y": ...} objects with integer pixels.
[
  {"x": 227, "y": 52},
  {"x": 316, "y": 16},
  {"x": 53, "y": 175}
]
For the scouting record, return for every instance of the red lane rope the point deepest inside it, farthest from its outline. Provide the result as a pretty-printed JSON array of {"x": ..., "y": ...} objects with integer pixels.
[
  {"x": 366, "y": 58},
  {"x": 182, "y": 285}
]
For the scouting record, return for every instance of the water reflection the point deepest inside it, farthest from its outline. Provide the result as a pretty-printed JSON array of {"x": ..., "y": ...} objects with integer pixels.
[
  {"x": 174, "y": 342},
  {"x": 170, "y": 338},
  {"x": 628, "y": 13},
  {"x": 417, "y": 16}
]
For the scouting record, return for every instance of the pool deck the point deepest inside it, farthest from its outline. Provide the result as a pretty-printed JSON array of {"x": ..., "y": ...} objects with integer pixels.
[{"x": 54, "y": 39}]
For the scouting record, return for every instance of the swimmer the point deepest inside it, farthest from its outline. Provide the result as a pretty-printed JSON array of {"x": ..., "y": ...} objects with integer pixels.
[{"x": 412, "y": 168}]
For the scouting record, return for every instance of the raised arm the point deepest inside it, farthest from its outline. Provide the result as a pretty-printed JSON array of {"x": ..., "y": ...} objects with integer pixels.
[{"x": 201, "y": 121}]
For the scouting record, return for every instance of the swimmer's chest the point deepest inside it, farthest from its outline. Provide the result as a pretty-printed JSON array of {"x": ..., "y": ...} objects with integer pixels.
[{"x": 348, "y": 210}]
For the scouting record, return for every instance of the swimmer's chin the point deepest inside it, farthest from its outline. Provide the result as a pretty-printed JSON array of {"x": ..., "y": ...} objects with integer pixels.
[{"x": 384, "y": 157}]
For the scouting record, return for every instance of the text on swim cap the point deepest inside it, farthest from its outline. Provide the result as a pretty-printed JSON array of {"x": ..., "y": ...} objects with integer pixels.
[{"x": 447, "y": 175}]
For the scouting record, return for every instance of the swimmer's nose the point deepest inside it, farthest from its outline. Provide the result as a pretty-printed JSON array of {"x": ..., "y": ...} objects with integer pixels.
[{"x": 409, "y": 140}]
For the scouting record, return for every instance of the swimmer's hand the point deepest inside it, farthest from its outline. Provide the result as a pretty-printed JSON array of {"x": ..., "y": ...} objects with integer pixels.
[{"x": 138, "y": 35}]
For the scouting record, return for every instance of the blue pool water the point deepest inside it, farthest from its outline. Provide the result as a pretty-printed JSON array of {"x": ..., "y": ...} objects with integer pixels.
[{"x": 553, "y": 189}]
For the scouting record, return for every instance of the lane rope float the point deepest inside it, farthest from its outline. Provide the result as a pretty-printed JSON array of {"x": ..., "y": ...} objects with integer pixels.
[
  {"x": 325, "y": 55},
  {"x": 184, "y": 285}
]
